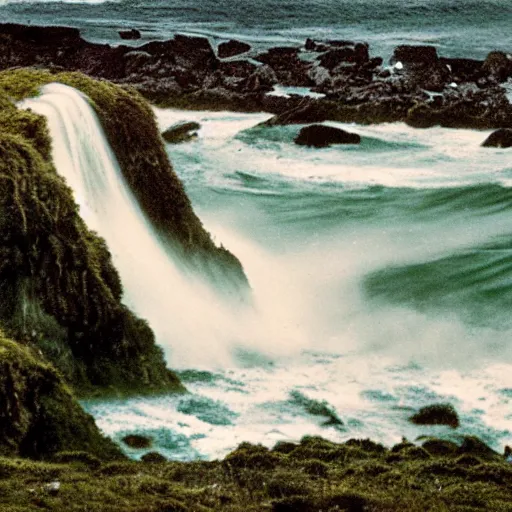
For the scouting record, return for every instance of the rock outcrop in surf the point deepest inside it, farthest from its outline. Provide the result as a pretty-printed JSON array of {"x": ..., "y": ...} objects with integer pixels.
[{"x": 418, "y": 86}]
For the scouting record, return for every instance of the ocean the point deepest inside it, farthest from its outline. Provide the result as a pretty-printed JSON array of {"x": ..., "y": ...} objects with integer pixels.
[{"x": 381, "y": 273}]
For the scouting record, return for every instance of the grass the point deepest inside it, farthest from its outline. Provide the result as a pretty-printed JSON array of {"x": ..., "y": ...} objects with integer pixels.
[{"x": 365, "y": 481}]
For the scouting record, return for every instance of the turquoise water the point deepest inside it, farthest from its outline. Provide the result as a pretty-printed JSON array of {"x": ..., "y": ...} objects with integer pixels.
[
  {"x": 470, "y": 28},
  {"x": 381, "y": 277}
]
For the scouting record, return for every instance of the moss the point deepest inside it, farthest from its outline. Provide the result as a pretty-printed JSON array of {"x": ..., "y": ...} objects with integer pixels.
[
  {"x": 129, "y": 123},
  {"x": 38, "y": 414},
  {"x": 60, "y": 291},
  {"x": 364, "y": 483}
]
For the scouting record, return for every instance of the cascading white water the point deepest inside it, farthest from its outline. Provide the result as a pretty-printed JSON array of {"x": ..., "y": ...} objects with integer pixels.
[{"x": 195, "y": 327}]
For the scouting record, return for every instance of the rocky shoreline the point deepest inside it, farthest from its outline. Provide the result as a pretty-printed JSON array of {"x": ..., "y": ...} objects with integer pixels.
[{"x": 416, "y": 86}]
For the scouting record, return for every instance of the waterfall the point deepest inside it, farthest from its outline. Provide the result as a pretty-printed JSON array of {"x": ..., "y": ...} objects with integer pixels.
[{"x": 153, "y": 286}]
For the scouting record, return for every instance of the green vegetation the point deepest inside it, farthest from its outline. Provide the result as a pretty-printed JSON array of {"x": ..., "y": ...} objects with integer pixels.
[
  {"x": 129, "y": 123},
  {"x": 38, "y": 414},
  {"x": 60, "y": 292},
  {"x": 355, "y": 476}
]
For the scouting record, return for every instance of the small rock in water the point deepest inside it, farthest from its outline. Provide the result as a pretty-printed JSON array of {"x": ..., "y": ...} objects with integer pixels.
[
  {"x": 181, "y": 132},
  {"x": 436, "y": 414},
  {"x": 136, "y": 441},
  {"x": 130, "y": 34},
  {"x": 321, "y": 136},
  {"x": 501, "y": 138}
]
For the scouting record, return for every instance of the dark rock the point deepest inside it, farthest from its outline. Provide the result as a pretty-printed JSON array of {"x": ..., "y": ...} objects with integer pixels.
[
  {"x": 289, "y": 69},
  {"x": 501, "y": 138},
  {"x": 181, "y": 132},
  {"x": 407, "y": 54},
  {"x": 498, "y": 65},
  {"x": 333, "y": 58},
  {"x": 130, "y": 34},
  {"x": 464, "y": 70},
  {"x": 307, "y": 111},
  {"x": 137, "y": 442},
  {"x": 232, "y": 48},
  {"x": 316, "y": 407},
  {"x": 340, "y": 42},
  {"x": 321, "y": 136},
  {"x": 437, "y": 414},
  {"x": 313, "y": 46},
  {"x": 153, "y": 458},
  {"x": 261, "y": 80}
]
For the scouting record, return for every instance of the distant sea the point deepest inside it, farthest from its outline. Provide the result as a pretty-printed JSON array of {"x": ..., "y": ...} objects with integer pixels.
[{"x": 458, "y": 28}]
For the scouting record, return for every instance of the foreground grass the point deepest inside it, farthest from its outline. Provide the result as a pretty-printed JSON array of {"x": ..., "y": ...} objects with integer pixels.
[{"x": 311, "y": 476}]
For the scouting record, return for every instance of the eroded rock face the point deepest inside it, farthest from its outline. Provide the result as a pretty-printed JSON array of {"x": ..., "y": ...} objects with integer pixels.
[
  {"x": 321, "y": 136},
  {"x": 499, "y": 139}
]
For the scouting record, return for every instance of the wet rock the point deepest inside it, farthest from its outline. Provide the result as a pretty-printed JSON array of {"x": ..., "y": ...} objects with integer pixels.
[
  {"x": 498, "y": 65},
  {"x": 181, "y": 132},
  {"x": 501, "y": 138},
  {"x": 321, "y": 136},
  {"x": 136, "y": 441},
  {"x": 414, "y": 55},
  {"x": 232, "y": 48},
  {"x": 130, "y": 34},
  {"x": 290, "y": 70},
  {"x": 463, "y": 70},
  {"x": 262, "y": 79},
  {"x": 436, "y": 414},
  {"x": 307, "y": 111}
]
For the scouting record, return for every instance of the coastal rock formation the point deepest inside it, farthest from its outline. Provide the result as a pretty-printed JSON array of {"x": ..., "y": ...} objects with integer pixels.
[
  {"x": 321, "y": 136},
  {"x": 181, "y": 132},
  {"x": 499, "y": 139},
  {"x": 232, "y": 48},
  {"x": 422, "y": 88},
  {"x": 436, "y": 414}
]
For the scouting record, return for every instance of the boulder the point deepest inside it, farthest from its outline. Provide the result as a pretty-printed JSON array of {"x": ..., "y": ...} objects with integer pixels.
[
  {"x": 413, "y": 55},
  {"x": 501, "y": 138},
  {"x": 232, "y": 48},
  {"x": 436, "y": 414},
  {"x": 498, "y": 65},
  {"x": 320, "y": 136},
  {"x": 181, "y": 132},
  {"x": 137, "y": 442},
  {"x": 130, "y": 34}
]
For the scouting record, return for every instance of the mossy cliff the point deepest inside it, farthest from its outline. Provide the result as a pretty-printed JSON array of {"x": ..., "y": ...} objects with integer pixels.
[
  {"x": 129, "y": 123},
  {"x": 59, "y": 289},
  {"x": 38, "y": 414}
]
